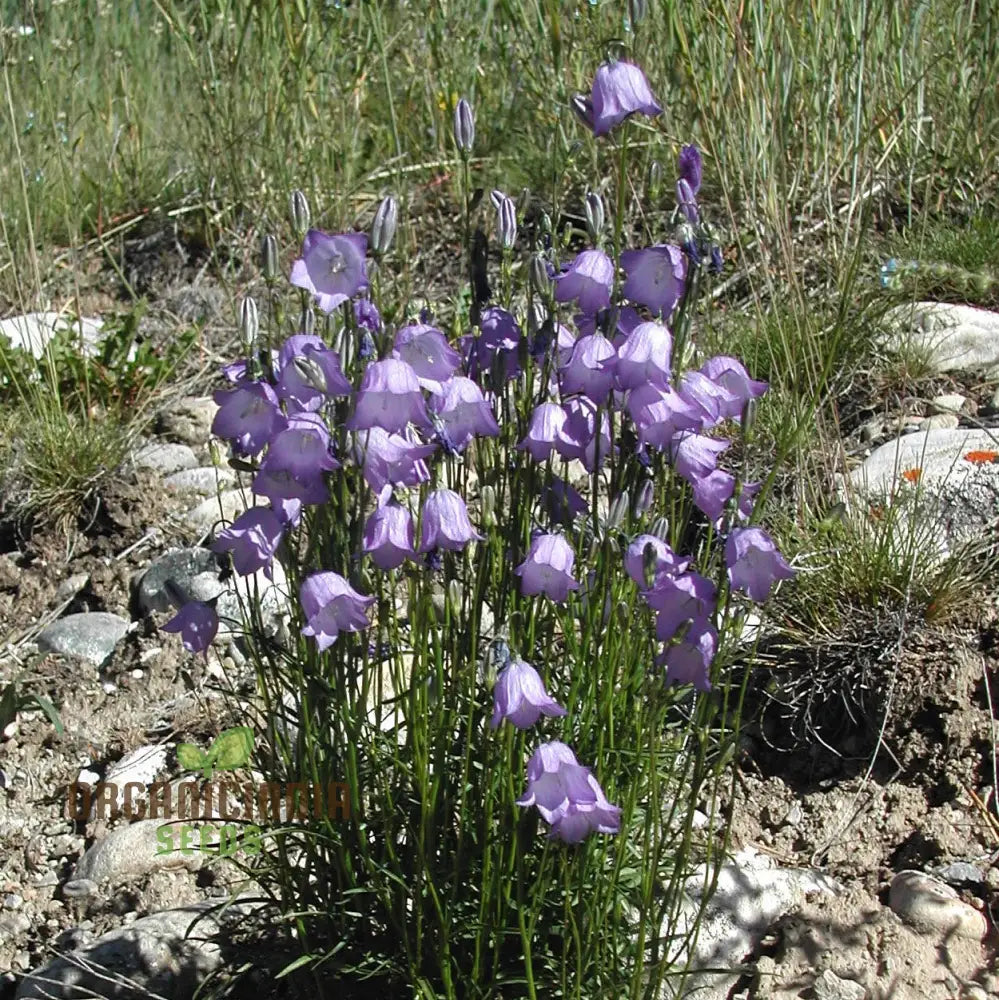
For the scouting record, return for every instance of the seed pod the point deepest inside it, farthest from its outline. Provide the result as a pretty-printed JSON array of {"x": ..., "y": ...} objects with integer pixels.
[
  {"x": 749, "y": 415},
  {"x": 269, "y": 257},
  {"x": 488, "y": 501},
  {"x": 643, "y": 501},
  {"x": 307, "y": 322},
  {"x": 300, "y": 216},
  {"x": 454, "y": 598},
  {"x": 594, "y": 208},
  {"x": 384, "y": 226},
  {"x": 637, "y": 9},
  {"x": 506, "y": 221},
  {"x": 464, "y": 127},
  {"x": 654, "y": 183},
  {"x": 249, "y": 323},
  {"x": 538, "y": 271}
]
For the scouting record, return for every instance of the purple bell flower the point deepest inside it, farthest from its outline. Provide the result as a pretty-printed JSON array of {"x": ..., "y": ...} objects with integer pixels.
[
  {"x": 391, "y": 459},
  {"x": 562, "y": 502},
  {"x": 695, "y": 455},
  {"x": 248, "y": 416},
  {"x": 332, "y": 267},
  {"x": 463, "y": 411},
  {"x": 664, "y": 562},
  {"x": 645, "y": 357},
  {"x": 619, "y": 90},
  {"x": 679, "y": 599},
  {"x": 252, "y": 539},
  {"x": 389, "y": 536},
  {"x": 567, "y": 795},
  {"x": 520, "y": 696},
  {"x": 197, "y": 624},
  {"x": 548, "y": 568},
  {"x": 295, "y": 461},
  {"x": 733, "y": 378},
  {"x": 426, "y": 350},
  {"x": 310, "y": 373},
  {"x": 288, "y": 511},
  {"x": 689, "y": 661},
  {"x": 705, "y": 394},
  {"x": 444, "y": 523},
  {"x": 655, "y": 277},
  {"x": 579, "y": 438},
  {"x": 500, "y": 337},
  {"x": 712, "y": 492},
  {"x": 389, "y": 398},
  {"x": 687, "y": 202},
  {"x": 367, "y": 315},
  {"x": 332, "y": 606},
  {"x": 588, "y": 280},
  {"x": 690, "y": 167},
  {"x": 547, "y": 421},
  {"x": 754, "y": 564},
  {"x": 590, "y": 368},
  {"x": 660, "y": 413}
]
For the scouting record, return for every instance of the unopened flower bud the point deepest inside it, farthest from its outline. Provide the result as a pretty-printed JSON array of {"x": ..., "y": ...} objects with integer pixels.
[
  {"x": 594, "y": 208},
  {"x": 249, "y": 323},
  {"x": 654, "y": 183},
  {"x": 312, "y": 374},
  {"x": 538, "y": 271},
  {"x": 454, "y": 598},
  {"x": 749, "y": 409},
  {"x": 488, "y": 503},
  {"x": 300, "y": 216},
  {"x": 583, "y": 108},
  {"x": 637, "y": 9},
  {"x": 307, "y": 322},
  {"x": 384, "y": 226},
  {"x": 269, "y": 257},
  {"x": 618, "y": 509},
  {"x": 464, "y": 126},
  {"x": 649, "y": 561},
  {"x": 506, "y": 220},
  {"x": 660, "y": 528},
  {"x": 643, "y": 501}
]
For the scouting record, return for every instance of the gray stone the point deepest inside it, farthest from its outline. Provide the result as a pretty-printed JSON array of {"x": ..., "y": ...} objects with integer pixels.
[
  {"x": 950, "y": 337},
  {"x": 165, "y": 458},
  {"x": 167, "y": 954},
  {"x": 129, "y": 852},
  {"x": 13, "y": 924},
  {"x": 940, "y": 421},
  {"x": 33, "y": 332},
  {"x": 71, "y": 586},
  {"x": 961, "y": 872},
  {"x": 227, "y": 506},
  {"x": 270, "y": 597},
  {"x": 950, "y": 402},
  {"x": 927, "y": 904},
  {"x": 829, "y": 986},
  {"x": 189, "y": 421},
  {"x": 194, "y": 572},
  {"x": 206, "y": 481},
  {"x": 91, "y": 636}
]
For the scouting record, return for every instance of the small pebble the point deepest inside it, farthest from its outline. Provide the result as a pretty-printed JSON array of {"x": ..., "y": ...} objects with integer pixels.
[
  {"x": 13, "y": 901},
  {"x": 928, "y": 904}
]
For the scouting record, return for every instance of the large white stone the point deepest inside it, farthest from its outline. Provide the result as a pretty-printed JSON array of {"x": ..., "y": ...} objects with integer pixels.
[
  {"x": 951, "y": 337},
  {"x": 33, "y": 332}
]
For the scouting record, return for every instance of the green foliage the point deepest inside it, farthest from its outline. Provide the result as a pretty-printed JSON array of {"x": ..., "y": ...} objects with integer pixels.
[{"x": 14, "y": 699}]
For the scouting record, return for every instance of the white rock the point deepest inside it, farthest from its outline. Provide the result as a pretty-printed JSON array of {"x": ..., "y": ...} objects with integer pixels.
[
  {"x": 829, "y": 986},
  {"x": 165, "y": 458},
  {"x": 131, "y": 851},
  {"x": 140, "y": 766},
  {"x": 205, "y": 480},
  {"x": 33, "y": 332},
  {"x": 939, "y": 421},
  {"x": 952, "y": 337},
  {"x": 949, "y": 402},
  {"x": 227, "y": 506},
  {"x": 928, "y": 904}
]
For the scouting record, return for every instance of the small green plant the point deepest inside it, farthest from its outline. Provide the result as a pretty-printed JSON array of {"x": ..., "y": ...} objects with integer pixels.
[
  {"x": 14, "y": 699},
  {"x": 231, "y": 750}
]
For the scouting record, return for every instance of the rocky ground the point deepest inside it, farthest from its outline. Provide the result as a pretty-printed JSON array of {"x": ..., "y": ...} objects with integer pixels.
[{"x": 864, "y": 866}]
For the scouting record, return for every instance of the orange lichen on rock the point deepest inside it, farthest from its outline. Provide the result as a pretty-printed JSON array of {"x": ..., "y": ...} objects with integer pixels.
[
  {"x": 981, "y": 457},
  {"x": 912, "y": 475}
]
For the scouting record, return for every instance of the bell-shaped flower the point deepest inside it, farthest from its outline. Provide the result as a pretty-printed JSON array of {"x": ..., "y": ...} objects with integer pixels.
[
  {"x": 690, "y": 167},
  {"x": 332, "y": 267},
  {"x": 645, "y": 357},
  {"x": 252, "y": 538},
  {"x": 288, "y": 511},
  {"x": 754, "y": 564},
  {"x": 660, "y": 413},
  {"x": 310, "y": 373},
  {"x": 705, "y": 394},
  {"x": 296, "y": 460},
  {"x": 464, "y": 412},
  {"x": 367, "y": 315},
  {"x": 520, "y": 696},
  {"x": 619, "y": 90},
  {"x": 679, "y": 599},
  {"x": 562, "y": 502},
  {"x": 695, "y": 455},
  {"x": 588, "y": 280},
  {"x": 548, "y": 568},
  {"x": 197, "y": 624},
  {"x": 732, "y": 377},
  {"x": 547, "y": 421},
  {"x": 332, "y": 606},
  {"x": 689, "y": 660},
  {"x": 389, "y": 536},
  {"x": 389, "y": 398},
  {"x": 649, "y": 559},
  {"x": 590, "y": 368},
  {"x": 426, "y": 350},
  {"x": 248, "y": 417},
  {"x": 391, "y": 459},
  {"x": 567, "y": 795},
  {"x": 444, "y": 523},
  {"x": 496, "y": 347},
  {"x": 579, "y": 438},
  {"x": 655, "y": 277},
  {"x": 687, "y": 202},
  {"x": 712, "y": 492}
]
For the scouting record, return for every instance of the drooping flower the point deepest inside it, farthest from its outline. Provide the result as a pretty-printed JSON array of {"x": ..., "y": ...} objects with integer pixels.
[
  {"x": 294, "y": 465},
  {"x": 732, "y": 376},
  {"x": 444, "y": 523},
  {"x": 331, "y": 267},
  {"x": 648, "y": 558},
  {"x": 548, "y": 568},
  {"x": 389, "y": 398},
  {"x": 590, "y": 368},
  {"x": 426, "y": 350},
  {"x": 248, "y": 416},
  {"x": 695, "y": 455},
  {"x": 546, "y": 424},
  {"x": 713, "y": 491},
  {"x": 680, "y": 599},
  {"x": 197, "y": 624},
  {"x": 310, "y": 373},
  {"x": 655, "y": 277},
  {"x": 690, "y": 167},
  {"x": 619, "y": 90},
  {"x": 562, "y": 502},
  {"x": 588, "y": 280},
  {"x": 579, "y": 437},
  {"x": 464, "y": 411},
  {"x": 520, "y": 696},
  {"x": 389, "y": 536},
  {"x": 660, "y": 413},
  {"x": 332, "y": 606},
  {"x": 567, "y": 795},
  {"x": 391, "y": 458},
  {"x": 754, "y": 564},
  {"x": 689, "y": 661},
  {"x": 645, "y": 357},
  {"x": 704, "y": 394},
  {"x": 252, "y": 539},
  {"x": 367, "y": 315},
  {"x": 496, "y": 346}
]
